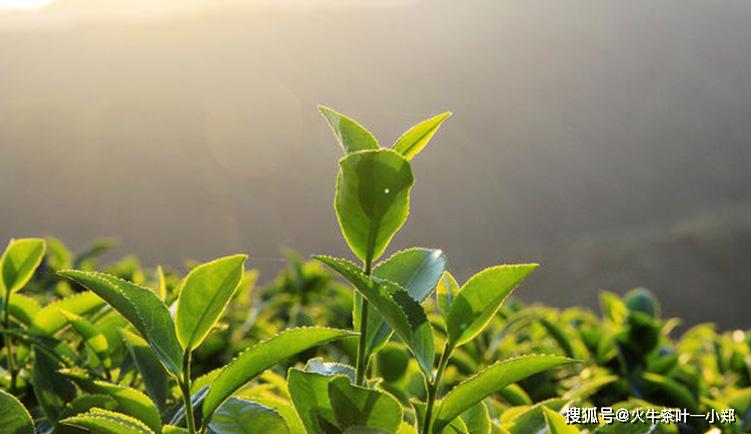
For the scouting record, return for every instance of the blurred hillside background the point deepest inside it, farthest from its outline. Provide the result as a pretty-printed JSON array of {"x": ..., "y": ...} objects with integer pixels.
[{"x": 609, "y": 140}]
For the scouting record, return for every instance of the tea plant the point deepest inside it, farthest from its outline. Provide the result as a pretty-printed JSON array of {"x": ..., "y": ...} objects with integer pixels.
[{"x": 134, "y": 350}]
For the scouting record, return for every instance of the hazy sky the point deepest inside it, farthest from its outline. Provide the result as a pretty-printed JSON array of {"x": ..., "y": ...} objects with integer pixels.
[{"x": 607, "y": 139}]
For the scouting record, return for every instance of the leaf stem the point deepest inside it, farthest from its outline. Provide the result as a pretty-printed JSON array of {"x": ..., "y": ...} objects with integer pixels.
[
  {"x": 185, "y": 388},
  {"x": 9, "y": 343},
  {"x": 362, "y": 362},
  {"x": 434, "y": 385}
]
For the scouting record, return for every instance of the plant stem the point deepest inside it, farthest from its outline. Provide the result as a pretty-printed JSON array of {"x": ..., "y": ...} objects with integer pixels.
[
  {"x": 185, "y": 388},
  {"x": 434, "y": 385},
  {"x": 362, "y": 363},
  {"x": 9, "y": 343}
]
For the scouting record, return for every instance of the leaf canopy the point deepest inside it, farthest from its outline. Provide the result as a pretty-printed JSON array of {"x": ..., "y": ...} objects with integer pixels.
[{"x": 262, "y": 356}]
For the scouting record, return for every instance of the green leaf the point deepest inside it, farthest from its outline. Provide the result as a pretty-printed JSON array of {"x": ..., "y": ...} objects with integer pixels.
[
  {"x": 205, "y": 294},
  {"x": 141, "y": 307},
  {"x": 613, "y": 308},
  {"x": 91, "y": 336},
  {"x": 531, "y": 419},
  {"x": 98, "y": 421},
  {"x": 566, "y": 338},
  {"x": 355, "y": 406},
  {"x": 417, "y": 270},
  {"x": 351, "y": 135},
  {"x": 280, "y": 405},
  {"x": 406, "y": 428},
  {"x": 557, "y": 423},
  {"x": 129, "y": 401},
  {"x": 489, "y": 381},
  {"x": 417, "y": 137},
  {"x": 446, "y": 292},
  {"x": 480, "y": 298},
  {"x": 18, "y": 263},
  {"x": 372, "y": 199},
  {"x": 51, "y": 388},
  {"x": 23, "y": 308},
  {"x": 84, "y": 403},
  {"x": 170, "y": 429},
  {"x": 393, "y": 362},
  {"x": 477, "y": 419},
  {"x": 330, "y": 369},
  {"x": 154, "y": 376},
  {"x": 50, "y": 319},
  {"x": 310, "y": 394},
  {"x": 262, "y": 356},
  {"x": 365, "y": 430},
  {"x": 679, "y": 394},
  {"x": 240, "y": 416},
  {"x": 161, "y": 289},
  {"x": 14, "y": 416},
  {"x": 398, "y": 308}
]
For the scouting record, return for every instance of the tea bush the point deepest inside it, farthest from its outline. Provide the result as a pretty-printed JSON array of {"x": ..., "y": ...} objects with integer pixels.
[{"x": 392, "y": 345}]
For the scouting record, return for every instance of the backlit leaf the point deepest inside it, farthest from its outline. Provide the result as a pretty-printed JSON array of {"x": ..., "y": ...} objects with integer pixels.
[
  {"x": 18, "y": 263},
  {"x": 480, "y": 298},
  {"x": 351, "y": 135},
  {"x": 489, "y": 381},
  {"x": 240, "y": 416},
  {"x": 23, "y": 308},
  {"x": 372, "y": 199},
  {"x": 310, "y": 394},
  {"x": 417, "y": 137},
  {"x": 477, "y": 419},
  {"x": 92, "y": 338},
  {"x": 445, "y": 292},
  {"x": 14, "y": 416},
  {"x": 398, "y": 308},
  {"x": 417, "y": 270},
  {"x": 50, "y": 319},
  {"x": 129, "y": 401},
  {"x": 98, "y": 421},
  {"x": 204, "y": 295},
  {"x": 141, "y": 307},
  {"x": 356, "y": 406},
  {"x": 557, "y": 423},
  {"x": 262, "y": 356}
]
